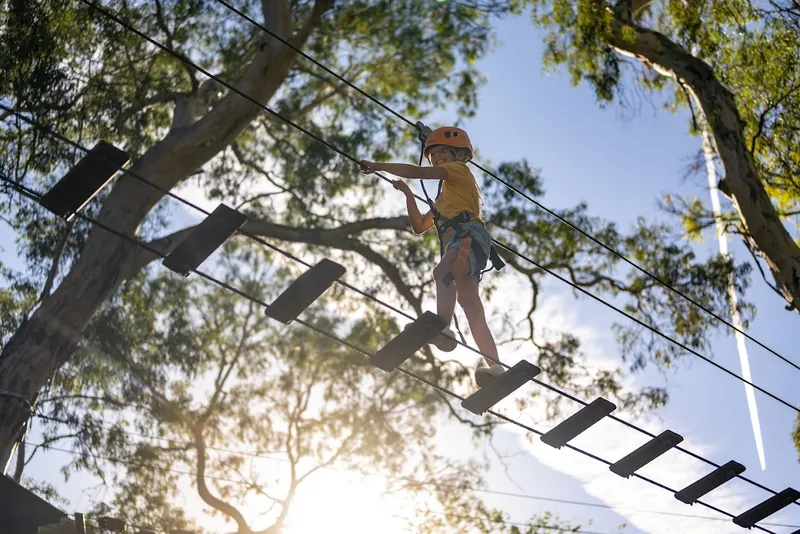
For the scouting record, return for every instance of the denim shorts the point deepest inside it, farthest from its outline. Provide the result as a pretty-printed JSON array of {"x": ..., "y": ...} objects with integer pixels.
[{"x": 479, "y": 251}]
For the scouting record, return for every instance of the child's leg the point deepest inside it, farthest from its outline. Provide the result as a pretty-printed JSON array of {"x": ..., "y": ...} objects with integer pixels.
[
  {"x": 470, "y": 300},
  {"x": 445, "y": 295}
]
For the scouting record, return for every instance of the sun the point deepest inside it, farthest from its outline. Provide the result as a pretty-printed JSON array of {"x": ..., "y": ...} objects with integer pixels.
[{"x": 336, "y": 501}]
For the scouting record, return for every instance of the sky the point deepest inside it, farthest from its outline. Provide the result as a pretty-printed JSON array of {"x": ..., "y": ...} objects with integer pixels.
[{"x": 620, "y": 162}]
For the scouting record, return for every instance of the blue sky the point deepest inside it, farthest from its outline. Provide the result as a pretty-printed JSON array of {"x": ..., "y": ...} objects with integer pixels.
[{"x": 620, "y": 164}]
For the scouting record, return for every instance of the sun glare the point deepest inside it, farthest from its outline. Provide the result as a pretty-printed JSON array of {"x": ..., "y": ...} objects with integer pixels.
[{"x": 334, "y": 501}]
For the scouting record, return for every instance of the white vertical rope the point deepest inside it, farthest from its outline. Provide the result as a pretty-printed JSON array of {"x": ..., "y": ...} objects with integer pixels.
[{"x": 741, "y": 346}]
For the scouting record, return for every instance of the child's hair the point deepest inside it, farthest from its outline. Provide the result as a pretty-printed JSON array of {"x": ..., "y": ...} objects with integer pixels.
[{"x": 461, "y": 154}]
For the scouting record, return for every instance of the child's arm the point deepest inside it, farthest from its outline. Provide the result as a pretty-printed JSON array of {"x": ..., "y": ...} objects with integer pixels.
[
  {"x": 419, "y": 223},
  {"x": 405, "y": 170}
]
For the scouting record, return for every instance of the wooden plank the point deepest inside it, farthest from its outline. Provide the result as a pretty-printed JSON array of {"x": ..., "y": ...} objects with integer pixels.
[
  {"x": 502, "y": 387},
  {"x": 21, "y": 510},
  {"x": 112, "y": 524},
  {"x": 410, "y": 340},
  {"x": 646, "y": 453},
  {"x": 766, "y": 508},
  {"x": 711, "y": 481},
  {"x": 308, "y": 287},
  {"x": 578, "y": 422},
  {"x": 207, "y": 237},
  {"x": 85, "y": 180}
]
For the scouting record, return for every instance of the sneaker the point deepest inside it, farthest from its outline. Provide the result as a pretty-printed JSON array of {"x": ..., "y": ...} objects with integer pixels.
[
  {"x": 486, "y": 375},
  {"x": 446, "y": 340}
]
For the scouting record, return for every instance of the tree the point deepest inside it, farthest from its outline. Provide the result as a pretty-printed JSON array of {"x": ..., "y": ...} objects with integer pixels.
[
  {"x": 716, "y": 52},
  {"x": 738, "y": 62},
  {"x": 181, "y": 128},
  {"x": 176, "y": 377}
]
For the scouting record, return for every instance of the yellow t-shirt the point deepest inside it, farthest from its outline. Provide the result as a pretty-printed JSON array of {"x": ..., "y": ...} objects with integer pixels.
[{"x": 459, "y": 192}]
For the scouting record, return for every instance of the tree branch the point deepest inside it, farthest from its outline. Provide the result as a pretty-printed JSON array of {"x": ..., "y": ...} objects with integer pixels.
[
  {"x": 762, "y": 119},
  {"x": 623, "y": 9},
  {"x": 334, "y": 237},
  {"x": 320, "y": 8},
  {"x": 205, "y": 494},
  {"x": 321, "y": 98},
  {"x": 252, "y": 199},
  {"x": 139, "y": 105},
  {"x": 22, "y": 462},
  {"x": 222, "y": 378},
  {"x": 240, "y": 156},
  {"x": 390, "y": 269},
  {"x": 277, "y": 15},
  {"x": 184, "y": 150},
  {"x": 162, "y": 23},
  {"x": 758, "y": 265},
  {"x": 6, "y": 114},
  {"x": 61, "y": 247},
  {"x": 691, "y": 106},
  {"x": 105, "y": 399},
  {"x": 446, "y": 400},
  {"x": 335, "y": 456},
  {"x": 751, "y": 200}
]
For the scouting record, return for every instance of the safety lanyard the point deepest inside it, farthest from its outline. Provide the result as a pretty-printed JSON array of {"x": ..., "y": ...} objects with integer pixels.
[{"x": 434, "y": 211}]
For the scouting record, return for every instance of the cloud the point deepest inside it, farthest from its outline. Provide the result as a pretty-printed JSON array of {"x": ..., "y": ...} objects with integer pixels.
[{"x": 611, "y": 441}]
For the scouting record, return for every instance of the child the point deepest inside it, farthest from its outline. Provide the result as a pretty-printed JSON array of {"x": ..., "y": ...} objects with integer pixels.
[{"x": 465, "y": 247}]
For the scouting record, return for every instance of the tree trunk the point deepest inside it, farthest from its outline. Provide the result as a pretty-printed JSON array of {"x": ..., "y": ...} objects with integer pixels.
[
  {"x": 46, "y": 341},
  {"x": 765, "y": 231}
]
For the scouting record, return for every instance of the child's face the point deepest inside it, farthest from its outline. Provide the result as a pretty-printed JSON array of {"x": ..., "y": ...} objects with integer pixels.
[{"x": 441, "y": 154}]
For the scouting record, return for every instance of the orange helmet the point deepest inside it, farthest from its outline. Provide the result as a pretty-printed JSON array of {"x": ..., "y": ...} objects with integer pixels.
[{"x": 448, "y": 136}]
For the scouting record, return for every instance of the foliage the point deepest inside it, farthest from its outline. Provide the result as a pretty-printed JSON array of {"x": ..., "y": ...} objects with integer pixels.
[
  {"x": 753, "y": 49},
  {"x": 195, "y": 369},
  {"x": 555, "y": 247},
  {"x": 751, "y": 46},
  {"x": 175, "y": 378}
]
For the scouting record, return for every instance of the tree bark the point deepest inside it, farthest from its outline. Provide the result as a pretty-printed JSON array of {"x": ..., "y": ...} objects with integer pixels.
[
  {"x": 203, "y": 490},
  {"x": 46, "y": 341},
  {"x": 764, "y": 229}
]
